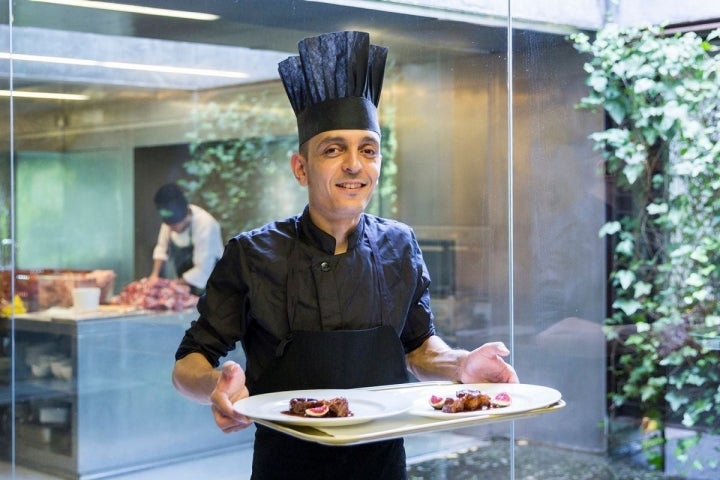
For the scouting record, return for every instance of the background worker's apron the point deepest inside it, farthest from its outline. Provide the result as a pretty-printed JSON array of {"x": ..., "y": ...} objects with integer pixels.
[
  {"x": 182, "y": 259},
  {"x": 331, "y": 359}
]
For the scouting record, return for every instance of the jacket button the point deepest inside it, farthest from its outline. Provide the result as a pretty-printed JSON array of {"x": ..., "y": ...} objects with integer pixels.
[{"x": 325, "y": 266}]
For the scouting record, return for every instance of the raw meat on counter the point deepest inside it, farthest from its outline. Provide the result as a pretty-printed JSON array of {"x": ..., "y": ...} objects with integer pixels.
[{"x": 163, "y": 294}]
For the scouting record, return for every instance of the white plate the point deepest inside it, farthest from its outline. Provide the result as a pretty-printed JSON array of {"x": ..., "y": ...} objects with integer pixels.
[
  {"x": 364, "y": 404},
  {"x": 524, "y": 396}
]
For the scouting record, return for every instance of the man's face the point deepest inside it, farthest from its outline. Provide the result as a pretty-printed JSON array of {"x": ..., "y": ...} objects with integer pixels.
[
  {"x": 341, "y": 170},
  {"x": 180, "y": 226}
]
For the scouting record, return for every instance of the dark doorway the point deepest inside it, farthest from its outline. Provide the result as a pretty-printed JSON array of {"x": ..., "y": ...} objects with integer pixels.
[{"x": 154, "y": 167}]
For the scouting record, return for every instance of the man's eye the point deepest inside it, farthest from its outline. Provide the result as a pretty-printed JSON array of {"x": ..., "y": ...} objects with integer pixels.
[{"x": 331, "y": 151}]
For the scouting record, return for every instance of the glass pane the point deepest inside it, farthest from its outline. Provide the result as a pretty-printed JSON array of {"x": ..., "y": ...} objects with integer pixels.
[
  {"x": 563, "y": 194},
  {"x": 153, "y": 99},
  {"x": 484, "y": 155},
  {"x": 7, "y": 286},
  {"x": 559, "y": 274}
]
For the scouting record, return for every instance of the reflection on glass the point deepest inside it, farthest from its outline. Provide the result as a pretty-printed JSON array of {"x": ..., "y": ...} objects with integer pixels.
[{"x": 170, "y": 99}]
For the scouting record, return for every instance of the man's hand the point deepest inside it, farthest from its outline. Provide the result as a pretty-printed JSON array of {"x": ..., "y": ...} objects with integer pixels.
[
  {"x": 229, "y": 389},
  {"x": 485, "y": 365},
  {"x": 435, "y": 360}
]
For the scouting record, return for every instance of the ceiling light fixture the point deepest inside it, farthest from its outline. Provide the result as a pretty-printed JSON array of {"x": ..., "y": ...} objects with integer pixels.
[
  {"x": 206, "y": 72},
  {"x": 120, "y": 7},
  {"x": 42, "y": 95}
]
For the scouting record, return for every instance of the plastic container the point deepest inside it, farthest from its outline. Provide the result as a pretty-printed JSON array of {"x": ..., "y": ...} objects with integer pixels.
[{"x": 85, "y": 299}]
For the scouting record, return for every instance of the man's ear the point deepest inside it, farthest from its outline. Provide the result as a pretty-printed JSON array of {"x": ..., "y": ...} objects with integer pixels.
[{"x": 297, "y": 164}]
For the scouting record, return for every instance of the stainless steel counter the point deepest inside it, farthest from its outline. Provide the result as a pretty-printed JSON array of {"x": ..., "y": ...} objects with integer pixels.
[{"x": 122, "y": 411}]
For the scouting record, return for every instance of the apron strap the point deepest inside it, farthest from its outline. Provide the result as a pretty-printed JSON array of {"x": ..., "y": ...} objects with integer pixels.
[{"x": 182, "y": 257}]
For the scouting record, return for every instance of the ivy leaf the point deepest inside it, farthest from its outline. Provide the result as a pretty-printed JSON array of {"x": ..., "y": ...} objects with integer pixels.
[
  {"x": 641, "y": 289},
  {"x": 629, "y": 307},
  {"x": 700, "y": 255},
  {"x": 625, "y": 247},
  {"x": 616, "y": 111},
  {"x": 626, "y": 278},
  {"x": 657, "y": 208},
  {"x": 597, "y": 81},
  {"x": 695, "y": 280},
  {"x": 643, "y": 85},
  {"x": 688, "y": 420},
  {"x": 681, "y": 251},
  {"x": 695, "y": 379},
  {"x": 647, "y": 392},
  {"x": 642, "y": 327},
  {"x": 610, "y": 228},
  {"x": 633, "y": 171}
]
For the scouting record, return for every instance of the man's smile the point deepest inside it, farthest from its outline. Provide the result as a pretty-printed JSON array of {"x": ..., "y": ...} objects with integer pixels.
[{"x": 351, "y": 185}]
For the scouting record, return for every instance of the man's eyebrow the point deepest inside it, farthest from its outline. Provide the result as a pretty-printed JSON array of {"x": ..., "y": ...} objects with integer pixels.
[
  {"x": 343, "y": 142},
  {"x": 342, "y": 139},
  {"x": 370, "y": 139},
  {"x": 327, "y": 140}
]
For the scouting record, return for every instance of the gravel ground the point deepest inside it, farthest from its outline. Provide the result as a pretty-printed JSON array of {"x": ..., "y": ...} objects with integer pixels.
[{"x": 532, "y": 462}]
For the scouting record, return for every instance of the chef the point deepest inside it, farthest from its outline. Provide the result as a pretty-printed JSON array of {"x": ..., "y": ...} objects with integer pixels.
[
  {"x": 330, "y": 298},
  {"x": 189, "y": 240}
]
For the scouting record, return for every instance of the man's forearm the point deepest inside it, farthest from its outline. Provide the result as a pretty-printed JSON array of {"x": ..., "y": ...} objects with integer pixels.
[
  {"x": 195, "y": 378},
  {"x": 435, "y": 360},
  {"x": 157, "y": 265}
]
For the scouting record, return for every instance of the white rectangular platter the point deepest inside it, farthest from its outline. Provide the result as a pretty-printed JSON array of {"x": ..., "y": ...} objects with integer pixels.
[{"x": 419, "y": 417}]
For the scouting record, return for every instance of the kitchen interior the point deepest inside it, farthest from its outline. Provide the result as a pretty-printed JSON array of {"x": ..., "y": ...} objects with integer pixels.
[{"x": 83, "y": 172}]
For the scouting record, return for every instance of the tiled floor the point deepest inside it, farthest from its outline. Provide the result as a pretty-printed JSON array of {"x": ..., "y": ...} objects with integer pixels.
[
  {"x": 236, "y": 465},
  {"x": 226, "y": 466},
  {"x": 445, "y": 456},
  {"x": 531, "y": 462}
]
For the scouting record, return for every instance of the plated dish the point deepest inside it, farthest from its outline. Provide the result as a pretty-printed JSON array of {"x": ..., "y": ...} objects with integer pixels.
[
  {"x": 365, "y": 405},
  {"x": 525, "y": 397}
]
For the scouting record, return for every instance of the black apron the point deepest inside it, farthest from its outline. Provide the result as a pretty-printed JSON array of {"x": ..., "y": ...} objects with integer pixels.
[
  {"x": 331, "y": 359},
  {"x": 182, "y": 258}
]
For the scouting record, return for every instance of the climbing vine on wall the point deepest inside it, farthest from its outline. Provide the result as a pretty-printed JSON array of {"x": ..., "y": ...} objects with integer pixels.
[{"x": 661, "y": 94}]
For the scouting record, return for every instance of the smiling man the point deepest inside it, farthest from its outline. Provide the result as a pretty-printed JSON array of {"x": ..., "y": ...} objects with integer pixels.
[
  {"x": 341, "y": 177},
  {"x": 331, "y": 298}
]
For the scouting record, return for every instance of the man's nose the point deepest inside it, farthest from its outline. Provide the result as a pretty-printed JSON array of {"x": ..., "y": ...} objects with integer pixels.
[{"x": 352, "y": 162}]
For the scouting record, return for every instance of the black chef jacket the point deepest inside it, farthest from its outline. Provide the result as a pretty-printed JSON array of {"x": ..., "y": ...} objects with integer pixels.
[
  {"x": 247, "y": 298},
  {"x": 277, "y": 285}
]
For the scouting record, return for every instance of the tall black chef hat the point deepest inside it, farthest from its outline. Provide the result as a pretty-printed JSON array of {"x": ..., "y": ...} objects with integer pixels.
[
  {"x": 335, "y": 83},
  {"x": 171, "y": 203}
]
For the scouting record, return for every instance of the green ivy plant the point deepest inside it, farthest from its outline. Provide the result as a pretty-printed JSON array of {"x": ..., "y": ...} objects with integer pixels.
[
  {"x": 661, "y": 95},
  {"x": 239, "y": 167}
]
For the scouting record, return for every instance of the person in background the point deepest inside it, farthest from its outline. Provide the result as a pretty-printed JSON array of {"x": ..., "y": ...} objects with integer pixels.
[
  {"x": 189, "y": 239},
  {"x": 331, "y": 298}
]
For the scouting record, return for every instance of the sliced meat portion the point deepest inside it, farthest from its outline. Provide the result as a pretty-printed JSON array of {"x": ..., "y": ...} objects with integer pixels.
[
  {"x": 337, "y": 407},
  {"x": 464, "y": 401},
  {"x": 299, "y": 405}
]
